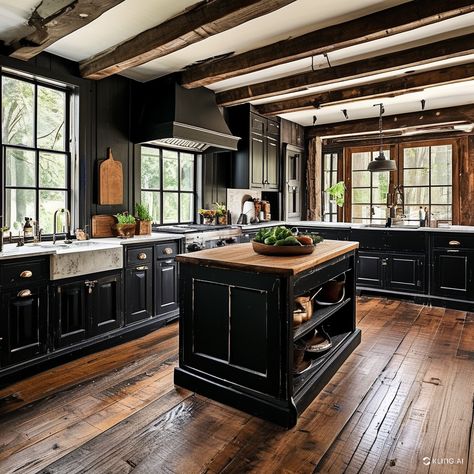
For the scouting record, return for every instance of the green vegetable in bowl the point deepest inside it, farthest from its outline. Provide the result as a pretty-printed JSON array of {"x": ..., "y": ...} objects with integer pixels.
[{"x": 290, "y": 240}]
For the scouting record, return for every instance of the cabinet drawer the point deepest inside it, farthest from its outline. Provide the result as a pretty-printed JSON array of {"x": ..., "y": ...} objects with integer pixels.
[
  {"x": 169, "y": 250},
  {"x": 273, "y": 129},
  {"x": 24, "y": 271},
  {"x": 257, "y": 124},
  {"x": 136, "y": 256},
  {"x": 459, "y": 241}
]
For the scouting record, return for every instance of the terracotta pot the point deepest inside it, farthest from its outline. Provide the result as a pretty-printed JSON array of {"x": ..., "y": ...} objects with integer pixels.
[
  {"x": 125, "y": 231},
  {"x": 143, "y": 227}
]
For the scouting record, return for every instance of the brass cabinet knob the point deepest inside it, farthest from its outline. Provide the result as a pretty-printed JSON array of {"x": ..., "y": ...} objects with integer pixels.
[
  {"x": 167, "y": 251},
  {"x": 24, "y": 293},
  {"x": 141, "y": 256},
  {"x": 143, "y": 267},
  {"x": 454, "y": 243},
  {"x": 26, "y": 274}
]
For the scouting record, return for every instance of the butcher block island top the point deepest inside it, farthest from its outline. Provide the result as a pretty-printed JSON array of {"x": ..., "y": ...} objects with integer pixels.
[{"x": 243, "y": 257}]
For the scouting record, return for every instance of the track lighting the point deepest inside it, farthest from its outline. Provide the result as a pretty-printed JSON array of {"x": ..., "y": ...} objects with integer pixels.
[
  {"x": 346, "y": 115},
  {"x": 314, "y": 119},
  {"x": 423, "y": 103}
]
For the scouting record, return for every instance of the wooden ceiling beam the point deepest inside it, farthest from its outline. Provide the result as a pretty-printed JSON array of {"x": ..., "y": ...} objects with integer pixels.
[
  {"x": 462, "y": 114},
  {"x": 377, "y": 90},
  {"x": 205, "y": 19},
  {"x": 377, "y": 25},
  {"x": 405, "y": 59},
  {"x": 51, "y": 21}
]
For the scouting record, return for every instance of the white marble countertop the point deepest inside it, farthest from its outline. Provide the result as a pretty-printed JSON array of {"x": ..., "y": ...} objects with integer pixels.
[{"x": 48, "y": 248}]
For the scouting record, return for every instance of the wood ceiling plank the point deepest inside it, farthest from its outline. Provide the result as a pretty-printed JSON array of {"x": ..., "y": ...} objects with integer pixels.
[
  {"x": 437, "y": 51},
  {"x": 52, "y": 21},
  {"x": 387, "y": 88},
  {"x": 203, "y": 20},
  {"x": 377, "y": 25},
  {"x": 463, "y": 113}
]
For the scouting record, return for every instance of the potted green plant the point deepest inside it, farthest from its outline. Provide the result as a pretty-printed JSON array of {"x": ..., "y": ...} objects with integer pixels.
[
  {"x": 144, "y": 220},
  {"x": 125, "y": 226},
  {"x": 221, "y": 213},
  {"x": 337, "y": 192}
]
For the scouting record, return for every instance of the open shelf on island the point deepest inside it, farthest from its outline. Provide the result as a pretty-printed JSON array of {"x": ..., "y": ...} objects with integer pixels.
[
  {"x": 318, "y": 362},
  {"x": 318, "y": 317}
]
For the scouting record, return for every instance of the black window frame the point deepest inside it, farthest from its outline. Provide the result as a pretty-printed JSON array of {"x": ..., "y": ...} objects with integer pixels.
[
  {"x": 179, "y": 191},
  {"x": 333, "y": 209},
  {"x": 37, "y": 82}
]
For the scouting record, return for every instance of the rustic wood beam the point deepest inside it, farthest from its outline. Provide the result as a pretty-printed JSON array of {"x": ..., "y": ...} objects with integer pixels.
[
  {"x": 52, "y": 21},
  {"x": 201, "y": 21},
  {"x": 463, "y": 113},
  {"x": 437, "y": 51},
  {"x": 377, "y": 25},
  {"x": 387, "y": 88}
]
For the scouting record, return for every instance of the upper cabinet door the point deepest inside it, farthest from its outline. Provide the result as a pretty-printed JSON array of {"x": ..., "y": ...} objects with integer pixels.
[
  {"x": 272, "y": 164},
  {"x": 257, "y": 161}
]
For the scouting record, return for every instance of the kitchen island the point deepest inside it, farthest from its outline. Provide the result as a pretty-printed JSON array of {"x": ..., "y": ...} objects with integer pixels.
[{"x": 236, "y": 326}]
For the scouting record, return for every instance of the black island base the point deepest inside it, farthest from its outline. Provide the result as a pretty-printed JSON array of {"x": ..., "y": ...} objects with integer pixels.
[{"x": 265, "y": 334}]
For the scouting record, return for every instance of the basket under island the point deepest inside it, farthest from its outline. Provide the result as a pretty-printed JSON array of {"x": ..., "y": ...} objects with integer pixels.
[{"x": 236, "y": 335}]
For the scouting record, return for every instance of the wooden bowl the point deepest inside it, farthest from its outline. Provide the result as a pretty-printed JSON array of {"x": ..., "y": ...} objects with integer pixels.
[{"x": 264, "y": 249}]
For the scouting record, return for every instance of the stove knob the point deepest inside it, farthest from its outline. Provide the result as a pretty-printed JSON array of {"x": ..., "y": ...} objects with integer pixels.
[
  {"x": 194, "y": 247},
  {"x": 220, "y": 243}
]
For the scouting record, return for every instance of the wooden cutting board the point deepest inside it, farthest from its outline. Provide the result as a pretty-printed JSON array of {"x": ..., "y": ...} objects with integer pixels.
[
  {"x": 102, "y": 225},
  {"x": 110, "y": 181}
]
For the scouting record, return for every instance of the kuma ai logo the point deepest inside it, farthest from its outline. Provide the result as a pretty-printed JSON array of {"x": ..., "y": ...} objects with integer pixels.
[{"x": 427, "y": 461}]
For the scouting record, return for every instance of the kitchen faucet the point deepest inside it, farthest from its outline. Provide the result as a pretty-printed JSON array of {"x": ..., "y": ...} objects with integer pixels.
[{"x": 68, "y": 225}]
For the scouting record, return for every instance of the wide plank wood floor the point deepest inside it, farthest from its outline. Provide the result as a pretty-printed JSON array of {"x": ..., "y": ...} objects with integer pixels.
[{"x": 403, "y": 398}]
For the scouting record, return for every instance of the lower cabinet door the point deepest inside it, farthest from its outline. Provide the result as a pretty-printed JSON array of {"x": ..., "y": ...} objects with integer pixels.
[
  {"x": 105, "y": 304},
  {"x": 405, "y": 273},
  {"x": 138, "y": 293},
  {"x": 23, "y": 324},
  {"x": 69, "y": 302},
  {"x": 166, "y": 286},
  {"x": 452, "y": 274},
  {"x": 370, "y": 269}
]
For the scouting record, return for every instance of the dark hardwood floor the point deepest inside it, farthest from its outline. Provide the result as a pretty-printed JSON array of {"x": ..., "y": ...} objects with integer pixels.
[{"x": 404, "y": 397}]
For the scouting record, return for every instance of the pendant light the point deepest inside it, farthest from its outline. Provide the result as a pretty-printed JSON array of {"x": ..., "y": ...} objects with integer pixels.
[{"x": 381, "y": 163}]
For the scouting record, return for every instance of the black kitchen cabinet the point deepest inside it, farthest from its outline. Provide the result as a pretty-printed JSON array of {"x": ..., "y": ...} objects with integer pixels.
[
  {"x": 23, "y": 324},
  {"x": 138, "y": 293},
  {"x": 166, "y": 286},
  {"x": 452, "y": 273},
  {"x": 370, "y": 270},
  {"x": 256, "y": 163},
  {"x": 105, "y": 299},
  {"x": 86, "y": 307},
  {"x": 392, "y": 272},
  {"x": 330, "y": 234}
]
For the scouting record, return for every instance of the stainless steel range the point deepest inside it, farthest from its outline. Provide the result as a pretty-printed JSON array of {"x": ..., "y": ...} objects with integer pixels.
[{"x": 199, "y": 237}]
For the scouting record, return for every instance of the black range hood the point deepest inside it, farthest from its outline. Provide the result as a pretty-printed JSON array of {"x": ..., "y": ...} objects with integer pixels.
[{"x": 166, "y": 113}]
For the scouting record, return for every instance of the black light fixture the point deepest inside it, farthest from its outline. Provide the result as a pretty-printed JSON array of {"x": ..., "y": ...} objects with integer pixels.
[{"x": 381, "y": 163}]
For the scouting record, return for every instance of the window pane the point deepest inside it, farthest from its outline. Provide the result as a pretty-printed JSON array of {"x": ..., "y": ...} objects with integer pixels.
[
  {"x": 170, "y": 208},
  {"x": 380, "y": 182},
  {"x": 187, "y": 208},
  {"x": 359, "y": 211},
  {"x": 441, "y": 212},
  {"x": 150, "y": 168},
  {"x": 441, "y": 195},
  {"x": 19, "y": 203},
  {"x": 20, "y": 167},
  {"x": 170, "y": 170},
  {"x": 17, "y": 112},
  {"x": 51, "y": 201},
  {"x": 361, "y": 179},
  {"x": 416, "y": 177},
  {"x": 327, "y": 161},
  {"x": 52, "y": 170},
  {"x": 418, "y": 157},
  {"x": 360, "y": 161},
  {"x": 412, "y": 213},
  {"x": 51, "y": 119},
  {"x": 361, "y": 196},
  {"x": 187, "y": 171},
  {"x": 152, "y": 201},
  {"x": 441, "y": 165},
  {"x": 380, "y": 212},
  {"x": 417, "y": 195}
]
